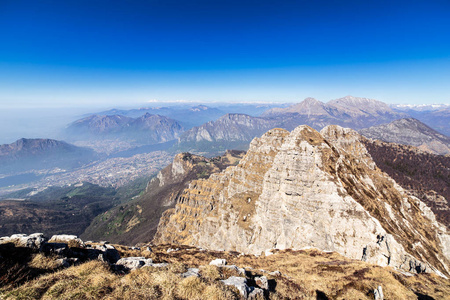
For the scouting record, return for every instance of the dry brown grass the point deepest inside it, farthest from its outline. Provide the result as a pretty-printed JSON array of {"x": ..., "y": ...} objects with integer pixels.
[
  {"x": 42, "y": 261},
  {"x": 210, "y": 273},
  {"x": 304, "y": 275}
]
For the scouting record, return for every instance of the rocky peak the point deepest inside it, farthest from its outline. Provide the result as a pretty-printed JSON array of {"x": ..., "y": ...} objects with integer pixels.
[{"x": 309, "y": 189}]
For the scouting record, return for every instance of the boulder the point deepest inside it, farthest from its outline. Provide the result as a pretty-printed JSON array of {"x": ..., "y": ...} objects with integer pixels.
[
  {"x": 240, "y": 283},
  {"x": 133, "y": 263},
  {"x": 218, "y": 262},
  {"x": 71, "y": 240}
]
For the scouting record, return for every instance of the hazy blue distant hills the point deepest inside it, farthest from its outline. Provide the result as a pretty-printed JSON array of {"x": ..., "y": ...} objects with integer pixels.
[
  {"x": 27, "y": 154},
  {"x": 412, "y": 132},
  {"x": 352, "y": 112},
  {"x": 437, "y": 116},
  {"x": 146, "y": 129}
]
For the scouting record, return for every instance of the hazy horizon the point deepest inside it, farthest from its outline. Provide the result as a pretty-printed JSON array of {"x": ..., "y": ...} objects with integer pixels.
[{"x": 60, "y": 60}]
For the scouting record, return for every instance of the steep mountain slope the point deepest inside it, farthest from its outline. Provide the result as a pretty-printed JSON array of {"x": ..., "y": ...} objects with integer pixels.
[
  {"x": 349, "y": 111},
  {"x": 231, "y": 131},
  {"x": 304, "y": 188},
  {"x": 410, "y": 132},
  {"x": 28, "y": 154},
  {"x": 136, "y": 221},
  {"x": 424, "y": 175}
]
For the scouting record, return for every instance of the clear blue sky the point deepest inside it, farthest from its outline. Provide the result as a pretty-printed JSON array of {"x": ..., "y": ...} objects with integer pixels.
[{"x": 57, "y": 53}]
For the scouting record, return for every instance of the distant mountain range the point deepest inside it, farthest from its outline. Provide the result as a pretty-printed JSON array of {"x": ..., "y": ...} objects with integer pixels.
[
  {"x": 412, "y": 132},
  {"x": 27, "y": 154},
  {"x": 195, "y": 115},
  {"x": 235, "y": 131},
  {"x": 117, "y": 130},
  {"x": 187, "y": 116},
  {"x": 352, "y": 112}
]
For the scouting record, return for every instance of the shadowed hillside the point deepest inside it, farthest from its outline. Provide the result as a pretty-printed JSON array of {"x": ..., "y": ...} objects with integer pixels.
[{"x": 426, "y": 175}]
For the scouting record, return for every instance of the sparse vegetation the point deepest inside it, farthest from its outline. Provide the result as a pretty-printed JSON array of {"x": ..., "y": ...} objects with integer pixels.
[
  {"x": 426, "y": 175},
  {"x": 306, "y": 274}
]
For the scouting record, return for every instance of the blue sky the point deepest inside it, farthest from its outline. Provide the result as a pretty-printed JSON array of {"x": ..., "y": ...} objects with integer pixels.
[{"x": 111, "y": 53}]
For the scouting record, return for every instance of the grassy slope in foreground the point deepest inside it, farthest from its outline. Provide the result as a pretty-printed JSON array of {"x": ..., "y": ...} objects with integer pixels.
[{"x": 305, "y": 274}]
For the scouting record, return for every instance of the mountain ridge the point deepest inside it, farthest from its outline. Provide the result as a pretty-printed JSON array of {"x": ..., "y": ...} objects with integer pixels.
[{"x": 305, "y": 188}]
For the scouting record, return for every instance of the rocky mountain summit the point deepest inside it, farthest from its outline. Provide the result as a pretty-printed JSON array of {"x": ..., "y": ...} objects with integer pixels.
[
  {"x": 308, "y": 189},
  {"x": 412, "y": 132}
]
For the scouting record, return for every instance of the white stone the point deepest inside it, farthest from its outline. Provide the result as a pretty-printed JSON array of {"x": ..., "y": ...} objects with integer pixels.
[{"x": 218, "y": 262}]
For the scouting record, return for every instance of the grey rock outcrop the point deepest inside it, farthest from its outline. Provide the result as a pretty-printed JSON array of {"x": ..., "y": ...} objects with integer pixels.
[
  {"x": 133, "y": 263},
  {"x": 246, "y": 291},
  {"x": 66, "y": 238},
  {"x": 34, "y": 241},
  {"x": 309, "y": 189}
]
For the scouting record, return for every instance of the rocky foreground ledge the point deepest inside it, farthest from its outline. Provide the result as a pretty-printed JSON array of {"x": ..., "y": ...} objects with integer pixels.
[
  {"x": 64, "y": 266},
  {"x": 69, "y": 250}
]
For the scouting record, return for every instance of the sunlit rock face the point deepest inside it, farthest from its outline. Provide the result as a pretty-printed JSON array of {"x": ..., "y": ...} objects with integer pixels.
[{"x": 309, "y": 189}]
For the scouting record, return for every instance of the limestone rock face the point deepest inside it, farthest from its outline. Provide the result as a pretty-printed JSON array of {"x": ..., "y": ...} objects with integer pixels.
[{"x": 309, "y": 189}]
